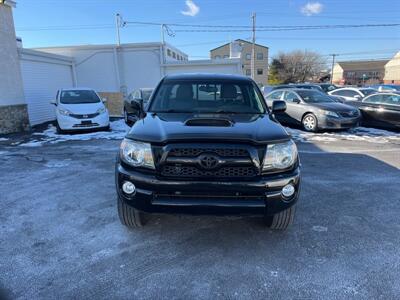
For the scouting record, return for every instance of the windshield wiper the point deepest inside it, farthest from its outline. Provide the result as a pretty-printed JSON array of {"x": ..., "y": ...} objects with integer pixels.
[{"x": 236, "y": 112}]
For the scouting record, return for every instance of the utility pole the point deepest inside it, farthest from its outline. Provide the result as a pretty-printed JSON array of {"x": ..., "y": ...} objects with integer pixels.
[
  {"x": 162, "y": 34},
  {"x": 333, "y": 64},
  {"x": 253, "y": 50},
  {"x": 118, "y": 26}
]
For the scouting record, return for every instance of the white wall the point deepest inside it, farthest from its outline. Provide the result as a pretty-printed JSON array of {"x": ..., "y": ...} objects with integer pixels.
[
  {"x": 107, "y": 68},
  {"x": 111, "y": 69},
  {"x": 42, "y": 76},
  {"x": 11, "y": 91}
]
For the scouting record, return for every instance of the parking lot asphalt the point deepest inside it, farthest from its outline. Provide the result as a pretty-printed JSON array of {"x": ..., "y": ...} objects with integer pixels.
[{"x": 60, "y": 236}]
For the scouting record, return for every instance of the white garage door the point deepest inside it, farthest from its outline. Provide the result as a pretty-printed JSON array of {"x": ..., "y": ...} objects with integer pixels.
[{"x": 41, "y": 82}]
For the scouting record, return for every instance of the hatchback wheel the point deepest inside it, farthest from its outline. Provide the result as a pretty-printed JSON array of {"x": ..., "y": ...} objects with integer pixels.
[
  {"x": 59, "y": 130},
  {"x": 310, "y": 123}
]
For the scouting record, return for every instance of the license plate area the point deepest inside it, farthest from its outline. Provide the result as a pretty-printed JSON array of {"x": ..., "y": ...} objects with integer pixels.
[{"x": 86, "y": 122}]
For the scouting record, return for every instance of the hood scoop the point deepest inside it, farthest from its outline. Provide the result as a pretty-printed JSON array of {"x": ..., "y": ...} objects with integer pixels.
[{"x": 212, "y": 122}]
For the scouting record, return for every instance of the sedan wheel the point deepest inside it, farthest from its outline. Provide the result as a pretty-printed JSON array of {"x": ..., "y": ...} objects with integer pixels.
[{"x": 310, "y": 123}]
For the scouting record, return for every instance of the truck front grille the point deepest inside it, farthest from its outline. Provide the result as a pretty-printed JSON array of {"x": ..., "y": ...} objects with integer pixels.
[
  {"x": 188, "y": 171},
  {"x": 187, "y": 162}
]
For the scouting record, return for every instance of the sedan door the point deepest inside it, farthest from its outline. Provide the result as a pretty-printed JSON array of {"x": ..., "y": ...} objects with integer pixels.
[
  {"x": 391, "y": 106},
  {"x": 374, "y": 111},
  {"x": 295, "y": 108}
]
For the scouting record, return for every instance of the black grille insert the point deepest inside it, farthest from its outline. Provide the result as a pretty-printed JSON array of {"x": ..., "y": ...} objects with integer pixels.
[
  {"x": 191, "y": 171},
  {"x": 224, "y": 152}
]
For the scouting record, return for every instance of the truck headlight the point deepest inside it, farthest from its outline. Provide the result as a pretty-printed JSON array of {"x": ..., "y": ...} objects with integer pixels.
[
  {"x": 136, "y": 154},
  {"x": 280, "y": 156}
]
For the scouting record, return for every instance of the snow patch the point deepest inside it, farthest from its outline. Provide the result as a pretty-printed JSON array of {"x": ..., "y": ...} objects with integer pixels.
[
  {"x": 320, "y": 228},
  {"x": 370, "y": 135},
  {"x": 57, "y": 164},
  {"x": 3, "y": 139},
  {"x": 118, "y": 130}
]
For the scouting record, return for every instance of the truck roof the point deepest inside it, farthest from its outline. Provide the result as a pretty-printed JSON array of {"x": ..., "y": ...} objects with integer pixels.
[{"x": 208, "y": 76}]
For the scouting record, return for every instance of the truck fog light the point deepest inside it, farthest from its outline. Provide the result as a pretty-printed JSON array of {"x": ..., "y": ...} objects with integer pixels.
[
  {"x": 288, "y": 190},
  {"x": 128, "y": 187}
]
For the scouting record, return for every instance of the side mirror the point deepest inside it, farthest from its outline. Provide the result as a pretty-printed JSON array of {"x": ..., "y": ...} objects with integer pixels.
[
  {"x": 358, "y": 97},
  {"x": 137, "y": 105},
  {"x": 296, "y": 101},
  {"x": 104, "y": 100},
  {"x": 278, "y": 106},
  {"x": 54, "y": 102}
]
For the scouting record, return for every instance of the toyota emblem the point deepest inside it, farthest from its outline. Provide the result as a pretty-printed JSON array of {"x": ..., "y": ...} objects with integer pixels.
[{"x": 209, "y": 161}]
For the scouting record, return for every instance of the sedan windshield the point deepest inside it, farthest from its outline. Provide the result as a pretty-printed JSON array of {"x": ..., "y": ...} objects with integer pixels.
[
  {"x": 208, "y": 97},
  {"x": 79, "y": 97},
  {"x": 146, "y": 95},
  {"x": 310, "y": 96},
  {"x": 368, "y": 92}
]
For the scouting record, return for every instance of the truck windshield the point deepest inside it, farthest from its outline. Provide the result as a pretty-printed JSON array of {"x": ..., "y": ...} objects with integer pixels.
[
  {"x": 78, "y": 97},
  {"x": 208, "y": 97}
]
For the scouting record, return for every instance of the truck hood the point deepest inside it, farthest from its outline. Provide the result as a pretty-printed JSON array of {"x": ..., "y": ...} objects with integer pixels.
[{"x": 187, "y": 127}]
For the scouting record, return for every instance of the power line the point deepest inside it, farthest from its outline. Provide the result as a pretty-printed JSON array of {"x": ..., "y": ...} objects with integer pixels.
[{"x": 214, "y": 28}]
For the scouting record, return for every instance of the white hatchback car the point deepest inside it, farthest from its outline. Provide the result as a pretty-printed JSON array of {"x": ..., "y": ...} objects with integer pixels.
[{"x": 80, "y": 109}]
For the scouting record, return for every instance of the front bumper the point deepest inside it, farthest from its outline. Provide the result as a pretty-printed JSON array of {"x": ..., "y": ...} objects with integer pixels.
[
  {"x": 71, "y": 123},
  {"x": 261, "y": 196},
  {"x": 326, "y": 122}
]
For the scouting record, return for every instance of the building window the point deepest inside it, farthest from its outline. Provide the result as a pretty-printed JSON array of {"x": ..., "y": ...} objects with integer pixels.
[
  {"x": 168, "y": 52},
  {"x": 173, "y": 54},
  {"x": 248, "y": 72},
  {"x": 260, "y": 56},
  {"x": 248, "y": 56},
  {"x": 259, "y": 71},
  {"x": 226, "y": 56},
  {"x": 217, "y": 57}
]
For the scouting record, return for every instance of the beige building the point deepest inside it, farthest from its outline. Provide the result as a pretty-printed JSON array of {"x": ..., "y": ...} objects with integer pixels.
[
  {"x": 243, "y": 49},
  {"x": 359, "y": 72},
  {"x": 392, "y": 70}
]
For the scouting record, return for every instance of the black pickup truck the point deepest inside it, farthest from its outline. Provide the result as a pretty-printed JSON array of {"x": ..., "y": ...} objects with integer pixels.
[{"x": 207, "y": 144}]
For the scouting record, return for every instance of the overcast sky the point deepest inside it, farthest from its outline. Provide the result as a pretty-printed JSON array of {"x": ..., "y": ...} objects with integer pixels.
[{"x": 92, "y": 22}]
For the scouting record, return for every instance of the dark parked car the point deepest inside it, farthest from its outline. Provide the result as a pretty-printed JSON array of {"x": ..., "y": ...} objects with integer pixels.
[
  {"x": 380, "y": 110},
  {"x": 328, "y": 87},
  {"x": 353, "y": 94},
  {"x": 307, "y": 86},
  {"x": 208, "y": 144},
  {"x": 386, "y": 88},
  {"x": 314, "y": 110},
  {"x": 139, "y": 97}
]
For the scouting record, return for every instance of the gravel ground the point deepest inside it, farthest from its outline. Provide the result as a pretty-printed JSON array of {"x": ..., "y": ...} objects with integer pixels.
[{"x": 60, "y": 236}]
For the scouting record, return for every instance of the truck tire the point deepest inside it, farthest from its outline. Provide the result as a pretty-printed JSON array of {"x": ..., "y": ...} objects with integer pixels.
[
  {"x": 282, "y": 220},
  {"x": 129, "y": 216}
]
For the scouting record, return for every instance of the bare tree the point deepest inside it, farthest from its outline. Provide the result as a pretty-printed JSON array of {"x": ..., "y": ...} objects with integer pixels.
[{"x": 297, "y": 66}]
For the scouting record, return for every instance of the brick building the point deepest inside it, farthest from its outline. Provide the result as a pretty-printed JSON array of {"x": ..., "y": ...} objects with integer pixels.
[{"x": 359, "y": 72}]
